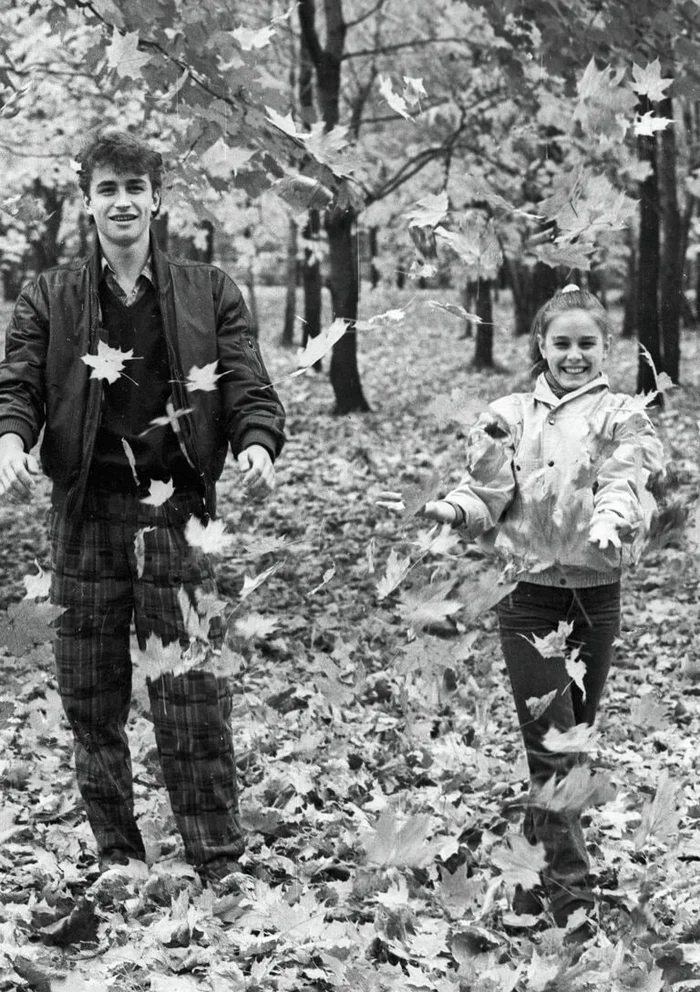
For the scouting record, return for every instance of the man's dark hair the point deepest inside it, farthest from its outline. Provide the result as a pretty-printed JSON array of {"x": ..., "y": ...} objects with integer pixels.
[{"x": 124, "y": 153}]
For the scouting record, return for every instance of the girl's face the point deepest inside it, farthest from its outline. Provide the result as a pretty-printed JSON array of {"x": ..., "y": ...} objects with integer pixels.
[{"x": 574, "y": 348}]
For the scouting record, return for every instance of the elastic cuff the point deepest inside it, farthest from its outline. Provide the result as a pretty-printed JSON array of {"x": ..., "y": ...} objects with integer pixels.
[
  {"x": 262, "y": 437},
  {"x": 20, "y": 427}
]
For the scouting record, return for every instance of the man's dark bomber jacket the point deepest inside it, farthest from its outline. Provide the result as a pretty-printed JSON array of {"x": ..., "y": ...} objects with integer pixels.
[{"x": 43, "y": 381}]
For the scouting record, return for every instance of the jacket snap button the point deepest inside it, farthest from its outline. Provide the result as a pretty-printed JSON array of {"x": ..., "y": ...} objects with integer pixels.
[
  {"x": 550, "y": 463},
  {"x": 551, "y": 421}
]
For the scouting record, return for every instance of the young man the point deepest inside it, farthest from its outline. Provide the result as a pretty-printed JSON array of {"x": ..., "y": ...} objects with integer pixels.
[{"x": 108, "y": 434}]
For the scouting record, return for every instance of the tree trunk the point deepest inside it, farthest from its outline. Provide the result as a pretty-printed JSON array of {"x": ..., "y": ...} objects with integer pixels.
[
  {"x": 648, "y": 264},
  {"x": 344, "y": 374},
  {"x": 531, "y": 288},
  {"x": 252, "y": 301},
  {"x": 312, "y": 280},
  {"x": 671, "y": 262},
  {"x": 373, "y": 243},
  {"x": 483, "y": 350},
  {"x": 630, "y": 299},
  {"x": 44, "y": 244},
  {"x": 339, "y": 223},
  {"x": 290, "y": 302}
]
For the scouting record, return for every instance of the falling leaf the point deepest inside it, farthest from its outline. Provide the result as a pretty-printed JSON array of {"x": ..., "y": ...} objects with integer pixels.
[
  {"x": 169, "y": 420},
  {"x": 456, "y": 311},
  {"x": 582, "y": 737},
  {"x": 660, "y": 816},
  {"x": 576, "y": 256},
  {"x": 159, "y": 491},
  {"x": 317, "y": 347},
  {"x": 552, "y": 645},
  {"x": 327, "y": 576},
  {"x": 388, "y": 317},
  {"x": 396, "y": 570},
  {"x": 123, "y": 55},
  {"x": 140, "y": 548},
  {"x": 648, "y": 124},
  {"x": 255, "y": 625},
  {"x": 302, "y": 193},
  {"x": 520, "y": 862},
  {"x": 37, "y": 586},
  {"x": 413, "y": 90},
  {"x": 27, "y": 623},
  {"x": 649, "y": 82},
  {"x": 249, "y": 40},
  {"x": 204, "y": 378},
  {"x": 285, "y": 124},
  {"x": 429, "y": 211},
  {"x": 251, "y": 584},
  {"x": 537, "y": 705},
  {"x": 395, "y": 101},
  {"x": 416, "y": 496},
  {"x": 264, "y": 546},
  {"x": 211, "y": 537},
  {"x": 131, "y": 460},
  {"x": 108, "y": 362},
  {"x": 576, "y": 669},
  {"x": 578, "y": 790},
  {"x": 157, "y": 659}
]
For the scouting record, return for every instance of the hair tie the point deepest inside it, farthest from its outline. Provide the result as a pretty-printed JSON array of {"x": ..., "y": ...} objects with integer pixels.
[{"x": 570, "y": 288}]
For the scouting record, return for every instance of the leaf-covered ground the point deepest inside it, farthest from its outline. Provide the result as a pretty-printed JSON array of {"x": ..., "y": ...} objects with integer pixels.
[{"x": 381, "y": 766}]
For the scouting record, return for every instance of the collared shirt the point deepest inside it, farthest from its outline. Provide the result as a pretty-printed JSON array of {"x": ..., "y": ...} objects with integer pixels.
[{"x": 139, "y": 288}]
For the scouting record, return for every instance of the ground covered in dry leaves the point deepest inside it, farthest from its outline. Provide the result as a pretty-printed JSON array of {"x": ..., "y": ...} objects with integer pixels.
[{"x": 380, "y": 763}]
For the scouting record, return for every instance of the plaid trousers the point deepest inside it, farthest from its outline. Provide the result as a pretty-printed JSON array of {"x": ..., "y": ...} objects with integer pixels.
[{"x": 99, "y": 579}]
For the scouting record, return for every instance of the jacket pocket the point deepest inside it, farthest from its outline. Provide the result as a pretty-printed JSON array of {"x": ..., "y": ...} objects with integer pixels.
[{"x": 254, "y": 358}]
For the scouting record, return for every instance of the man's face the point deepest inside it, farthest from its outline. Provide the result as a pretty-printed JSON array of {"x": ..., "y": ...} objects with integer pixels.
[{"x": 121, "y": 205}]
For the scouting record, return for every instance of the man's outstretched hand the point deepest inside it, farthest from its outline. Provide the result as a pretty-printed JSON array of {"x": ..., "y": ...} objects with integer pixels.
[{"x": 258, "y": 471}]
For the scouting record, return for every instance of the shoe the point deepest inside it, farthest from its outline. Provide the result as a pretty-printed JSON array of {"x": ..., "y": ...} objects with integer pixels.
[
  {"x": 566, "y": 902},
  {"x": 220, "y": 875},
  {"x": 529, "y": 902},
  {"x": 115, "y": 857}
]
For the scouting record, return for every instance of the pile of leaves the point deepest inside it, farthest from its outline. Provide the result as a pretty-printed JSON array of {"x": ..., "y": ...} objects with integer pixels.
[{"x": 382, "y": 774}]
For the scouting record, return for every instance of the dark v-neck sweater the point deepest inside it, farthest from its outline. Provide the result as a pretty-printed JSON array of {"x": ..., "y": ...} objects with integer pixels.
[{"x": 135, "y": 399}]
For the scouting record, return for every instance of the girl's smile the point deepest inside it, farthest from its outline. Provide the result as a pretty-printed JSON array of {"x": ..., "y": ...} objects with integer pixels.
[{"x": 574, "y": 348}]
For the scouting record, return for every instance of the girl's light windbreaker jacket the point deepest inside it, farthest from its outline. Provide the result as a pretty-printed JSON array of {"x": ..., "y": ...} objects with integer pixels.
[{"x": 541, "y": 470}]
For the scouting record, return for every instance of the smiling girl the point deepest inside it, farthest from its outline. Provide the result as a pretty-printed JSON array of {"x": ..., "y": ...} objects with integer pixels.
[{"x": 557, "y": 484}]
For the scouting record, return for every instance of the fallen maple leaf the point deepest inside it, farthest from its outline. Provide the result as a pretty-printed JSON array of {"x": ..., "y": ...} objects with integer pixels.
[
  {"x": 404, "y": 845},
  {"x": 27, "y": 623},
  {"x": 520, "y": 862},
  {"x": 327, "y": 576},
  {"x": 108, "y": 362},
  {"x": 660, "y": 816},
  {"x": 159, "y": 491}
]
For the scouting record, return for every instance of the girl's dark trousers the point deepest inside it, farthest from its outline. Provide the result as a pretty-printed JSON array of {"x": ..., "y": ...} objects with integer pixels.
[{"x": 595, "y": 615}]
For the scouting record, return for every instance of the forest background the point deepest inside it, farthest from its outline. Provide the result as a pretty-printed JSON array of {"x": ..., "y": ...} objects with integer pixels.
[{"x": 396, "y": 187}]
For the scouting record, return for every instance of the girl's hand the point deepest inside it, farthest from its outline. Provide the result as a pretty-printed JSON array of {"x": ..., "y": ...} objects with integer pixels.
[
  {"x": 603, "y": 532},
  {"x": 391, "y": 501},
  {"x": 440, "y": 510}
]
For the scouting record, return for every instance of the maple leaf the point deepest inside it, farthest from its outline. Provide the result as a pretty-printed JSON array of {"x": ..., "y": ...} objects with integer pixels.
[
  {"x": 429, "y": 211},
  {"x": 140, "y": 548},
  {"x": 537, "y": 705},
  {"x": 170, "y": 419},
  {"x": 255, "y": 625},
  {"x": 131, "y": 459},
  {"x": 388, "y": 317},
  {"x": 520, "y": 862},
  {"x": 648, "y": 124},
  {"x": 317, "y": 347},
  {"x": 576, "y": 669},
  {"x": 578, "y": 790},
  {"x": 302, "y": 193},
  {"x": 576, "y": 256},
  {"x": 552, "y": 645},
  {"x": 285, "y": 124},
  {"x": 248, "y": 40},
  {"x": 251, "y": 584},
  {"x": 259, "y": 546},
  {"x": 405, "y": 845},
  {"x": 416, "y": 496},
  {"x": 660, "y": 816},
  {"x": 458, "y": 893},
  {"x": 648, "y": 714},
  {"x": 159, "y": 491},
  {"x": 582, "y": 737},
  {"x": 26, "y": 624},
  {"x": 211, "y": 537},
  {"x": 483, "y": 594},
  {"x": 439, "y": 540},
  {"x": 37, "y": 586},
  {"x": 648, "y": 81},
  {"x": 413, "y": 89},
  {"x": 327, "y": 576},
  {"x": 157, "y": 659},
  {"x": 395, "y": 101},
  {"x": 396, "y": 571},
  {"x": 455, "y": 310},
  {"x": 108, "y": 362},
  {"x": 204, "y": 378},
  {"x": 123, "y": 55}
]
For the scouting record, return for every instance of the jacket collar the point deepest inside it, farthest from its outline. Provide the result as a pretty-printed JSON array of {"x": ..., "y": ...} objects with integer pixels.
[
  {"x": 159, "y": 261},
  {"x": 543, "y": 393}
]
